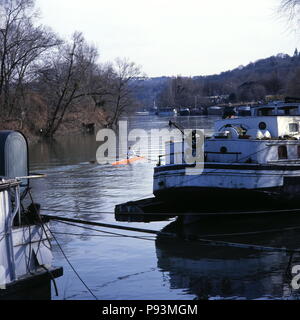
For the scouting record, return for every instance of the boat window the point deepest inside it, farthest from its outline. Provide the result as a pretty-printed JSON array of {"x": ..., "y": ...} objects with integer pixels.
[
  {"x": 266, "y": 112},
  {"x": 294, "y": 111},
  {"x": 223, "y": 149},
  {"x": 291, "y": 110},
  {"x": 262, "y": 126},
  {"x": 293, "y": 127},
  {"x": 282, "y": 152},
  {"x": 298, "y": 147},
  {"x": 280, "y": 112}
]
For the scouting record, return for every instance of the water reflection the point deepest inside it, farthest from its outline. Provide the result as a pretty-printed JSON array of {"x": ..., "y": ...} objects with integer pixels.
[
  {"x": 222, "y": 272},
  {"x": 67, "y": 150}
]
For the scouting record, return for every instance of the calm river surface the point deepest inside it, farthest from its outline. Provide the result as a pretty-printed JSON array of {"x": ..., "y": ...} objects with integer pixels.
[{"x": 117, "y": 267}]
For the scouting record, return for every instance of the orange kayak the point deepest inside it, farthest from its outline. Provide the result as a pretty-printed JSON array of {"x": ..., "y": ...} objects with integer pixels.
[{"x": 127, "y": 161}]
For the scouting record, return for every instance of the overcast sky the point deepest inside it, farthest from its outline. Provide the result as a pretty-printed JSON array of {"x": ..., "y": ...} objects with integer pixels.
[{"x": 172, "y": 37}]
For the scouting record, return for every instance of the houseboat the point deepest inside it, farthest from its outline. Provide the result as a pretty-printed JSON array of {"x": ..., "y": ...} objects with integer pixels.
[
  {"x": 247, "y": 162},
  {"x": 236, "y": 111},
  {"x": 215, "y": 111},
  {"x": 197, "y": 111},
  {"x": 166, "y": 112},
  {"x": 184, "y": 111},
  {"x": 142, "y": 113},
  {"x": 26, "y": 267}
]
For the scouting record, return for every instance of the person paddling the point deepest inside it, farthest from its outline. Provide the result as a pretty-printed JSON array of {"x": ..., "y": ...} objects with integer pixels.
[
  {"x": 131, "y": 157},
  {"x": 130, "y": 153}
]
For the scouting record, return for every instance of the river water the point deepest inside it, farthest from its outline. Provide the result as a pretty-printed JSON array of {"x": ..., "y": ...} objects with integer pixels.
[{"x": 117, "y": 265}]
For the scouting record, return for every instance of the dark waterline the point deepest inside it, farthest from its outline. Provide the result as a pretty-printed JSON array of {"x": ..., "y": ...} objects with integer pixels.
[{"x": 116, "y": 267}]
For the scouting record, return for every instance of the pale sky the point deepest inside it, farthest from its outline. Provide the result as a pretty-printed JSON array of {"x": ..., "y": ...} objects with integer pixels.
[{"x": 176, "y": 37}]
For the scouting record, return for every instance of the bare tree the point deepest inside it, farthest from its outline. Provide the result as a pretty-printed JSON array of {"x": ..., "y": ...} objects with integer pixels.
[
  {"x": 123, "y": 83},
  {"x": 290, "y": 4},
  {"x": 291, "y": 9},
  {"x": 293, "y": 85},
  {"x": 100, "y": 85},
  {"x": 67, "y": 78},
  {"x": 166, "y": 97},
  {"x": 37, "y": 66},
  {"x": 22, "y": 45}
]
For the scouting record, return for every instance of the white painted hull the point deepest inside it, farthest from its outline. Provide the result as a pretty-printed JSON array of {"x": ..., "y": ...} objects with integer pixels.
[
  {"x": 31, "y": 252},
  {"x": 25, "y": 250},
  {"x": 223, "y": 178},
  {"x": 32, "y": 249},
  {"x": 285, "y": 183}
]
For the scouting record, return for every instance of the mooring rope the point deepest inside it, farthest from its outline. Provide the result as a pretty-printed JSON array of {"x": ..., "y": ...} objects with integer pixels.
[
  {"x": 71, "y": 265},
  {"x": 208, "y": 213},
  {"x": 107, "y": 232},
  {"x": 173, "y": 235}
]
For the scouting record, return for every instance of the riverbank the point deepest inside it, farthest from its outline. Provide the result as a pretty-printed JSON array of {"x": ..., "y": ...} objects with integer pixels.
[{"x": 33, "y": 127}]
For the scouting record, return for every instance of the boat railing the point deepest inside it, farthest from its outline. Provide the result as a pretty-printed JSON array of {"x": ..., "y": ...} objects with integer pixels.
[
  {"x": 205, "y": 156},
  {"x": 10, "y": 220},
  {"x": 12, "y": 186},
  {"x": 169, "y": 155},
  {"x": 223, "y": 153},
  {"x": 9, "y": 190}
]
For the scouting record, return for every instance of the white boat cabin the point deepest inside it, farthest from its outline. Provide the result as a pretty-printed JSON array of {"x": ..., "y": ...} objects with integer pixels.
[{"x": 271, "y": 134}]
